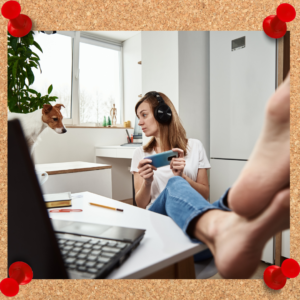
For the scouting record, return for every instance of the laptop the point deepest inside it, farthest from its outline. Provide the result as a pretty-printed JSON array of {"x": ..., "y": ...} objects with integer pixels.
[
  {"x": 137, "y": 134},
  {"x": 56, "y": 249}
]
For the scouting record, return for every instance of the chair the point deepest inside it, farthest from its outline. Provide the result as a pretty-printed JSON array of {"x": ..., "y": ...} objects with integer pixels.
[{"x": 133, "y": 191}]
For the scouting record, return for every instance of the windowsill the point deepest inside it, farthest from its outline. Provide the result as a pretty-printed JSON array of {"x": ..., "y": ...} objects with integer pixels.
[{"x": 89, "y": 126}]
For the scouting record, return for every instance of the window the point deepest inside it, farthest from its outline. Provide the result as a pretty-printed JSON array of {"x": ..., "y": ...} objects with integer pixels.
[
  {"x": 99, "y": 82},
  {"x": 86, "y": 74},
  {"x": 56, "y": 68}
]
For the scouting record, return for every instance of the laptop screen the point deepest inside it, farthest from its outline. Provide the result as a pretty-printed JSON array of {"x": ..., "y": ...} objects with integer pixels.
[
  {"x": 30, "y": 235},
  {"x": 137, "y": 129}
]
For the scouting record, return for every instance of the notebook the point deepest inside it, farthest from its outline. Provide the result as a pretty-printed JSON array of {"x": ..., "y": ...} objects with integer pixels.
[
  {"x": 58, "y": 200},
  {"x": 56, "y": 249}
]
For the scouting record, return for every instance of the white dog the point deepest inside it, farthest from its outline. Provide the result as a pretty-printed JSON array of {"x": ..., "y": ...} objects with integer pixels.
[{"x": 34, "y": 123}]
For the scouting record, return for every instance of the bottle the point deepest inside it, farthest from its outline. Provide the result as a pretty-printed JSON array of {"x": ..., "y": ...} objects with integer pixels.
[{"x": 104, "y": 122}]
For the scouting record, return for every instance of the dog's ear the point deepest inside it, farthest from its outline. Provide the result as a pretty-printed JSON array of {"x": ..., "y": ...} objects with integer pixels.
[
  {"x": 46, "y": 108},
  {"x": 59, "y": 106}
]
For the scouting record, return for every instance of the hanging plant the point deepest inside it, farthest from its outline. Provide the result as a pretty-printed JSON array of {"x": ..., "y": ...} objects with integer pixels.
[{"x": 21, "y": 59}]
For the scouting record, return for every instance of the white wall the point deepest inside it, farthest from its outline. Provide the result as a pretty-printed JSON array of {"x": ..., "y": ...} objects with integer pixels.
[
  {"x": 160, "y": 63},
  {"x": 177, "y": 64},
  {"x": 132, "y": 76},
  {"x": 194, "y": 84},
  {"x": 77, "y": 144}
]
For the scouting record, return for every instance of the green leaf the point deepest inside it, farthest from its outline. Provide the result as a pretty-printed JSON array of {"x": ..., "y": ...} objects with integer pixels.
[
  {"x": 12, "y": 100},
  {"x": 35, "y": 59},
  {"x": 22, "y": 80},
  {"x": 33, "y": 65},
  {"x": 28, "y": 53},
  {"x": 37, "y": 46},
  {"x": 35, "y": 55},
  {"x": 12, "y": 58},
  {"x": 53, "y": 98},
  {"x": 30, "y": 39},
  {"x": 13, "y": 43},
  {"x": 14, "y": 70},
  {"x": 50, "y": 88},
  {"x": 32, "y": 91},
  {"x": 30, "y": 76}
]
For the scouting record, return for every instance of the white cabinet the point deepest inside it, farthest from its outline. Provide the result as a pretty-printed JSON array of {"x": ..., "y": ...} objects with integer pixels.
[
  {"x": 77, "y": 177},
  {"x": 242, "y": 78},
  {"x": 119, "y": 157},
  {"x": 228, "y": 172},
  {"x": 285, "y": 244}
]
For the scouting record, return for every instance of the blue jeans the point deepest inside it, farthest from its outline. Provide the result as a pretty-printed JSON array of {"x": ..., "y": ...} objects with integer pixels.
[{"x": 182, "y": 203}]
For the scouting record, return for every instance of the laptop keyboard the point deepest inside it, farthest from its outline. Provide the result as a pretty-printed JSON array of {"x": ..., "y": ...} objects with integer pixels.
[{"x": 87, "y": 255}]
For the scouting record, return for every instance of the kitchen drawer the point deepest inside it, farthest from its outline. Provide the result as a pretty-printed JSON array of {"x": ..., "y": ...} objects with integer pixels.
[{"x": 106, "y": 152}]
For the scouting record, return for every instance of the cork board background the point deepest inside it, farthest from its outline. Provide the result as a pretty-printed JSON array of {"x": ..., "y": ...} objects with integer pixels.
[{"x": 178, "y": 15}]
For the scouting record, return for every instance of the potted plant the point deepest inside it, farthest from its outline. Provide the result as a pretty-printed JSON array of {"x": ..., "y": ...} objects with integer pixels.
[{"x": 21, "y": 59}]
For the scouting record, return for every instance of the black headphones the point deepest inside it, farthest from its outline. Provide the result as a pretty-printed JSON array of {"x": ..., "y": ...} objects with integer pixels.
[{"x": 162, "y": 113}]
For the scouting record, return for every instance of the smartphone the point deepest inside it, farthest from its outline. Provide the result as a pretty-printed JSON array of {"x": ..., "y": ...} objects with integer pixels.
[{"x": 162, "y": 159}]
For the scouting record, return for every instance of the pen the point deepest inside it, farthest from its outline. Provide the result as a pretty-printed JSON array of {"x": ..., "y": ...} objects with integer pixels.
[
  {"x": 128, "y": 136},
  {"x": 113, "y": 208},
  {"x": 65, "y": 210}
]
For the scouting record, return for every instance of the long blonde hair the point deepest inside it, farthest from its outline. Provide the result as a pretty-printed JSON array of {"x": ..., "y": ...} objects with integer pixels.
[{"x": 173, "y": 134}]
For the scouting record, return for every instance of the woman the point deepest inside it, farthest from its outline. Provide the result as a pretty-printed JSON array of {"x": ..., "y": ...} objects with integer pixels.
[
  {"x": 191, "y": 163},
  {"x": 236, "y": 238}
]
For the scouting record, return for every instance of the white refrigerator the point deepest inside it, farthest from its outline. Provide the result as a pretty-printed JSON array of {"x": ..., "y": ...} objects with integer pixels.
[{"x": 242, "y": 79}]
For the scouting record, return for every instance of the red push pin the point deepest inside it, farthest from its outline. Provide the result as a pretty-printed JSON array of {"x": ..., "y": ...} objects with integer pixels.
[
  {"x": 19, "y": 25},
  {"x": 9, "y": 287},
  {"x": 290, "y": 268},
  {"x": 275, "y": 26},
  {"x": 274, "y": 277},
  {"x": 21, "y": 272}
]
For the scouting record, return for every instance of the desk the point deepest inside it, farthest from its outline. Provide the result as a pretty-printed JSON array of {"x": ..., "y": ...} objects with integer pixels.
[
  {"x": 163, "y": 245},
  {"x": 115, "y": 151},
  {"x": 119, "y": 157},
  {"x": 77, "y": 177}
]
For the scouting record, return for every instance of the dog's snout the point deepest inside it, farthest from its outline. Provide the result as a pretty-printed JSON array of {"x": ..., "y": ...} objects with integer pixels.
[{"x": 64, "y": 130}]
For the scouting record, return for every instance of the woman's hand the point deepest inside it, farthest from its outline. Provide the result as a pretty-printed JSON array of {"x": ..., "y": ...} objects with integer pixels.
[
  {"x": 146, "y": 170},
  {"x": 177, "y": 164}
]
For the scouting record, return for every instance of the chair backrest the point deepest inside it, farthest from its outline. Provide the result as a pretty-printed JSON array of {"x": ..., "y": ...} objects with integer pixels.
[{"x": 133, "y": 191}]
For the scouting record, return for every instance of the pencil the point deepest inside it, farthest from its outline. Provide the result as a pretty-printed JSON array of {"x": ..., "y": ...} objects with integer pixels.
[{"x": 113, "y": 208}]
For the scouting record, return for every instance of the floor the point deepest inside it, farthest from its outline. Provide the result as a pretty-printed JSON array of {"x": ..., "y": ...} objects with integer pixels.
[
  {"x": 128, "y": 201},
  {"x": 208, "y": 270}
]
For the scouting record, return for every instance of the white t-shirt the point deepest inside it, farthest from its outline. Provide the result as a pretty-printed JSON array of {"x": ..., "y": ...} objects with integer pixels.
[{"x": 195, "y": 159}]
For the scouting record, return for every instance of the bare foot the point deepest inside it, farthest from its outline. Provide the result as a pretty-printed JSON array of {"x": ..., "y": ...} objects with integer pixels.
[
  {"x": 268, "y": 168},
  {"x": 237, "y": 242}
]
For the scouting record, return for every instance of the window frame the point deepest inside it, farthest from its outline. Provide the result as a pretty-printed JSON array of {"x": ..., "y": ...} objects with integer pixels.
[{"x": 93, "y": 39}]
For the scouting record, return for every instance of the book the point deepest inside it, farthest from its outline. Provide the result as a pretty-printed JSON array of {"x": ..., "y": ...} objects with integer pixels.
[{"x": 58, "y": 200}]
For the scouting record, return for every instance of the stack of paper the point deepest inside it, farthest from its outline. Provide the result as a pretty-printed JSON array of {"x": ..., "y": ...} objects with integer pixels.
[{"x": 58, "y": 200}]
